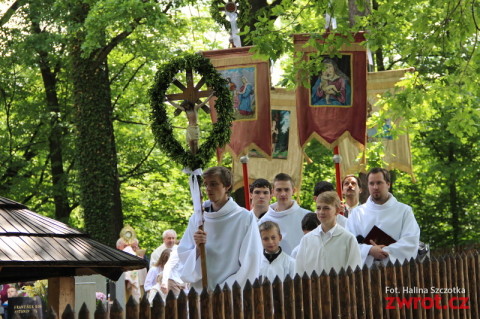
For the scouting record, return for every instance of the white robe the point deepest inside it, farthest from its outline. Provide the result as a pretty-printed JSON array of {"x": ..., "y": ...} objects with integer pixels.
[
  {"x": 394, "y": 218},
  {"x": 270, "y": 210},
  {"x": 151, "y": 278},
  {"x": 341, "y": 251},
  {"x": 234, "y": 248},
  {"x": 290, "y": 223},
  {"x": 282, "y": 266}
]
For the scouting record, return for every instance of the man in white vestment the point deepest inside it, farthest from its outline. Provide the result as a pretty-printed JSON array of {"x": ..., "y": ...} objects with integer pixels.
[
  {"x": 286, "y": 213},
  {"x": 231, "y": 237},
  {"x": 169, "y": 237},
  {"x": 394, "y": 218}
]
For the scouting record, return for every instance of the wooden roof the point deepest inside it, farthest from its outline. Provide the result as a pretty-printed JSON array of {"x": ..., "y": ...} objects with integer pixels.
[{"x": 35, "y": 247}]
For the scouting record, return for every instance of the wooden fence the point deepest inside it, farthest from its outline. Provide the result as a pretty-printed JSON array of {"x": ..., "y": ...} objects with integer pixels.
[{"x": 441, "y": 288}]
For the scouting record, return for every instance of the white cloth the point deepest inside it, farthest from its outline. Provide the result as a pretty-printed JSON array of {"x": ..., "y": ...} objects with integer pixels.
[
  {"x": 290, "y": 223},
  {"x": 394, "y": 218},
  {"x": 233, "y": 248},
  {"x": 340, "y": 251},
  {"x": 156, "y": 254},
  {"x": 151, "y": 279},
  {"x": 132, "y": 277},
  {"x": 154, "y": 290},
  {"x": 342, "y": 220},
  {"x": 295, "y": 252},
  {"x": 282, "y": 266},
  {"x": 270, "y": 210}
]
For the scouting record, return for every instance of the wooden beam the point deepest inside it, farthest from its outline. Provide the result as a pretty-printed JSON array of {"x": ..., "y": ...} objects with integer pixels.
[{"x": 61, "y": 292}]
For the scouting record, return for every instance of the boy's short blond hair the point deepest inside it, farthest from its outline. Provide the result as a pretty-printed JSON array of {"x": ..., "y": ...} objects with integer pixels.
[{"x": 329, "y": 198}]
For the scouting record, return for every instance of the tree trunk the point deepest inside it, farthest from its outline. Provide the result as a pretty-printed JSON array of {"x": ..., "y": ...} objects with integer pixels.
[
  {"x": 97, "y": 156},
  {"x": 59, "y": 178}
]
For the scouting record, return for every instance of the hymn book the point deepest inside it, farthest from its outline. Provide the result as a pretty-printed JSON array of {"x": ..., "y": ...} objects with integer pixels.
[{"x": 379, "y": 237}]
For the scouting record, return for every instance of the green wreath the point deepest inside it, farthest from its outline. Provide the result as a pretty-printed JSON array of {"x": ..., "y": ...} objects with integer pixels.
[{"x": 161, "y": 125}]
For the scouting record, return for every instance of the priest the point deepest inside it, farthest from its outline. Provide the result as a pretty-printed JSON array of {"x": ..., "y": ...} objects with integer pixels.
[{"x": 392, "y": 217}]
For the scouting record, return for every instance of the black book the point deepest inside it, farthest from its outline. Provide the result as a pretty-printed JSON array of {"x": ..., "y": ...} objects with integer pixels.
[{"x": 379, "y": 237}]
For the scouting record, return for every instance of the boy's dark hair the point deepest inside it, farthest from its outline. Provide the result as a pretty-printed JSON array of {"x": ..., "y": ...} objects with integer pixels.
[
  {"x": 321, "y": 187},
  {"x": 268, "y": 225},
  {"x": 386, "y": 174},
  {"x": 282, "y": 177},
  {"x": 310, "y": 221},
  {"x": 260, "y": 183}
]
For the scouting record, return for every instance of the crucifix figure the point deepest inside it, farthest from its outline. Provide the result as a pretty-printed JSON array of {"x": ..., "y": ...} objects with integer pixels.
[{"x": 191, "y": 111}]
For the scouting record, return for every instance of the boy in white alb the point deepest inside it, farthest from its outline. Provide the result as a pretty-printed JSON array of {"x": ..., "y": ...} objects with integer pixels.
[
  {"x": 232, "y": 241},
  {"x": 275, "y": 262},
  {"x": 330, "y": 245},
  {"x": 286, "y": 213},
  {"x": 260, "y": 194}
]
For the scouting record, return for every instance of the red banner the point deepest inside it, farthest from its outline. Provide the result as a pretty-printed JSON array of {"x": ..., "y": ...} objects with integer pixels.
[
  {"x": 249, "y": 84},
  {"x": 335, "y": 105}
]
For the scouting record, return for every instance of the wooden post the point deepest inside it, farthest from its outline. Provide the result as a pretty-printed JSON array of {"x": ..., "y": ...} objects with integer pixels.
[
  {"x": 307, "y": 296},
  {"x": 316, "y": 296},
  {"x": 298, "y": 296},
  {"x": 61, "y": 292},
  {"x": 217, "y": 303},
  {"x": 193, "y": 311},
  {"x": 182, "y": 305},
  {"x": 248, "y": 301},
  {"x": 227, "y": 300},
  {"x": 289, "y": 297},
  {"x": 237, "y": 301},
  {"x": 205, "y": 304},
  {"x": 277, "y": 289},
  {"x": 258, "y": 302},
  {"x": 267, "y": 299}
]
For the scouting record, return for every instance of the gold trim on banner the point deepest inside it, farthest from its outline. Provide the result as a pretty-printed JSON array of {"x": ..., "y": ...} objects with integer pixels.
[{"x": 345, "y": 135}]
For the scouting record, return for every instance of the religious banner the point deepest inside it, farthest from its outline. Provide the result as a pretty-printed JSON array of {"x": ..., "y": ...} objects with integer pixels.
[
  {"x": 397, "y": 153},
  {"x": 334, "y": 106},
  {"x": 396, "y": 150},
  {"x": 249, "y": 85},
  {"x": 287, "y": 155}
]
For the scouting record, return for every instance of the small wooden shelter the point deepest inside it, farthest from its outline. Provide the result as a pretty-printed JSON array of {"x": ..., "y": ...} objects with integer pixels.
[{"x": 34, "y": 247}]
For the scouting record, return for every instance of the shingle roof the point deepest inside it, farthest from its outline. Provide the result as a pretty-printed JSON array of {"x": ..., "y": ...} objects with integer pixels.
[{"x": 36, "y": 247}]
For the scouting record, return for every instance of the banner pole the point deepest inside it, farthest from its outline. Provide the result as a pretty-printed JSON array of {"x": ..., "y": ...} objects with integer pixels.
[
  {"x": 336, "y": 160},
  {"x": 246, "y": 186}
]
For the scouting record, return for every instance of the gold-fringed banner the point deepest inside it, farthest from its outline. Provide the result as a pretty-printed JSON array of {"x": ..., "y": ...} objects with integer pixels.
[
  {"x": 287, "y": 156},
  {"x": 249, "y": 84},
  {"x": 396, "y": 149},
  {"x": 334, "y": 107}
]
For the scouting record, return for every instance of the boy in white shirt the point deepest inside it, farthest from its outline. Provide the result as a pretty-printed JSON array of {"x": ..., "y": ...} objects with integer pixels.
[
  {"x": 275, "y": 262},
  {"x": 330, "y": 245}
]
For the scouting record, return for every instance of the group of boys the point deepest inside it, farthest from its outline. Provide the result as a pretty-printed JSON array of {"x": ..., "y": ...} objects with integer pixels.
[{"x": 244, "y": 245}]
